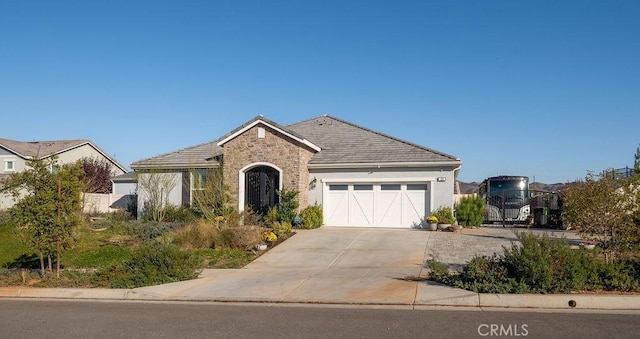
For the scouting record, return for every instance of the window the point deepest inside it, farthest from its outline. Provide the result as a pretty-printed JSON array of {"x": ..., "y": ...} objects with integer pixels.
[
  {"x": 363, "y": 187},
  {"x": 390, "y": 187},
  {"x": 416, "y": 187},
  {"x": 338, "y": 187},
  {"x": 9, "y": 165},
  {"x": 198, "y": 179}
]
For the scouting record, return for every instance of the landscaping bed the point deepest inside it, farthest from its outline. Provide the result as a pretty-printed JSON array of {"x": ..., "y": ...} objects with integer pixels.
[{"x": 115, "y": 251}]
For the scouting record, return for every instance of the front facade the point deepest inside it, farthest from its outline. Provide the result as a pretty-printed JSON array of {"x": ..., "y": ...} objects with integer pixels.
[
  {"x": 361, "y": 178},
  {"x": 15, "y": 156}
]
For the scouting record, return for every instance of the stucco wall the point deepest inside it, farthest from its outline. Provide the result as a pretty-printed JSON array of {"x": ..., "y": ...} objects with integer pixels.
[
  {"x": 86, "y": 151},
  {"x": 175, "y": 196},
  {"x": 18, "y": 163},
  {"x": 124, "y": 187},
  {"x": 276, "y": 149}
]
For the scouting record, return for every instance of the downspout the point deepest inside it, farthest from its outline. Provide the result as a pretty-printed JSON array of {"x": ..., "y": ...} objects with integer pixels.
[{"x": 455, "y": 181}]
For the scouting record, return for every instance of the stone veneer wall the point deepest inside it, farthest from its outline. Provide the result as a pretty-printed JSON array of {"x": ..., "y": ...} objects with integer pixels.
[{"x": 275, "y": 148}]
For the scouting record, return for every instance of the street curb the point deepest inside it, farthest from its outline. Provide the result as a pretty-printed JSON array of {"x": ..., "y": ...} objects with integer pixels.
[
  {"x": 472, "y": 300},
  {"x": 561, "y": 301}
]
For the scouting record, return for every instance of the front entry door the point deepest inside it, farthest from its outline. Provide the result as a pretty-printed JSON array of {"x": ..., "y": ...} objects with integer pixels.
[{"x": 261, "y": 185}]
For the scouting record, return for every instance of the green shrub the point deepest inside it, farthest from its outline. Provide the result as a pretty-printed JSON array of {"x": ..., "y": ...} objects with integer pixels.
[
  {"x": 281, "y": 228},
  {"x": 271, "y": 217},
  {"x": 619, "y": 276},
  {"x": 470, "y": 211},
  {"x": 311, "y": 217},
  {"x": 151, "y": 264},
  {"x": 488, "y": 275},
  {"x": 438, "y": 271},
  {"x": 288, "y": 204},
  {"x": 224, "y": 239},
  {"x": 444, "y": 214},
  {"x": 543, "y": 265},
  {"x": 179, "y": 214},
  {"x": 146, "y": 230},
  {"x": 548, "y": 265}
]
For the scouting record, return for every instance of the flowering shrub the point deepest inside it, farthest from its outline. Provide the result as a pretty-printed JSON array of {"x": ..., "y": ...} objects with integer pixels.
[
  {"x": 269, "y": 236},
  {"x": 432, "y": 219}
]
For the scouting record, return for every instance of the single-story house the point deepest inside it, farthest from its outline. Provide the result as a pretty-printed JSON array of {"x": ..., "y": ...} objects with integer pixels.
[
  {"x": 360, "y": 177},
  {"x": 15, "y": 155}
]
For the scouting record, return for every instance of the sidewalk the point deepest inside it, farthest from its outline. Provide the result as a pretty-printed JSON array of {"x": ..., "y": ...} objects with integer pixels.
[{"x": 349, "y": 267}]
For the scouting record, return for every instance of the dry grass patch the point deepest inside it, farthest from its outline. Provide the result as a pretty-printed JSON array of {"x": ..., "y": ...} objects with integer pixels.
[{"x": 196, "y": 235}]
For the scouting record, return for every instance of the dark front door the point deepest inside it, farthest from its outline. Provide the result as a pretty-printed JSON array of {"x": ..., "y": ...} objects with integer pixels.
[{"x": 261, "y": 184}]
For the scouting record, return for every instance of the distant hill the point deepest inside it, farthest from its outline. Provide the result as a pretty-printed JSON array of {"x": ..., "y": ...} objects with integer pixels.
[{"x": 472, "y": 187}]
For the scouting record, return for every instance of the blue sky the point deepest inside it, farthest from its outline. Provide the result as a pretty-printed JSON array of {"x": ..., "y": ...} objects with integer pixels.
[{"x": 547, "y": 89}]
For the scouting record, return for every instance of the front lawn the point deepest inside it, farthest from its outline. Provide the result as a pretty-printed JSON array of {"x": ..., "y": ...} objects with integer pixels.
[{"x": 113, "y": 252}]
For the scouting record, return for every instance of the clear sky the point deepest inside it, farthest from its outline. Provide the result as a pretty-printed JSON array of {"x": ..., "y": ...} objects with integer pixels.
[{"x": 546, "y": 89}]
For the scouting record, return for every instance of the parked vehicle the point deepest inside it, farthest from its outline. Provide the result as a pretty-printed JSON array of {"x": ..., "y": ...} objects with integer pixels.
[{"x": 506, "y": 199}]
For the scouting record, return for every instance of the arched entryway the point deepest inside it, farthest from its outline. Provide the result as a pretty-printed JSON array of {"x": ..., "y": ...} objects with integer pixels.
[{"x": 260, "y": 188}]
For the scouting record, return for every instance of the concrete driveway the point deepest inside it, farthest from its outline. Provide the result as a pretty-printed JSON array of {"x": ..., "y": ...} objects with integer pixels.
[
  {"x": 326, "y": 265},
  {"x": 343, "y": 266}
]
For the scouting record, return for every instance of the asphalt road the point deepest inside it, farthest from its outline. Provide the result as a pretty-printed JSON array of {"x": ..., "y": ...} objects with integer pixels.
[{"x": 95, "y": 319}]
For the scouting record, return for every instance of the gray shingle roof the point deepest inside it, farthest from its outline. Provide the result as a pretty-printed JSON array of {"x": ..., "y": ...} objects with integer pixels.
[
  {"x": 41, "y": 149},
  {"x": 341, "y": 143},
  {"x": 199, "y": 156},
  {"x": 346, "y": 143},
  {"x": 127, "y": 177}
]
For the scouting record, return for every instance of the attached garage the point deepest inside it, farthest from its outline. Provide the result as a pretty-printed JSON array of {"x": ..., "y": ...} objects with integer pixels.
[{"x": 382, "y": 204}]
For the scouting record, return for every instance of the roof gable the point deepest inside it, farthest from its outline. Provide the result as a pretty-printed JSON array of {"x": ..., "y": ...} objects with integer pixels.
[
  {"x": 30, "y": 150},
  {"x": 262, "y": 120}
]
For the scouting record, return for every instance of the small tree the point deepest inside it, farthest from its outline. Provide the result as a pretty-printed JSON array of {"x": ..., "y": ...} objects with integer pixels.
[
  {"x": 213, "y": 199},
  {"x": 97, "y": 175},
  {"x": 156, "y": 187},
  {"x": 470, "y": 210},
  {"x": 288, "y": 205},
  {"x": 599, "y": 208},
  {"x": 47, "y": 207}
]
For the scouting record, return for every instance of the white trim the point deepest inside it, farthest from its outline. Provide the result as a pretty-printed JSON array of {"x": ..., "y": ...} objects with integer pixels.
[
  {"x": 384, "y": 165},
  {"x": 13, "y": 165},
  {"x": 241, "y": 180},
  {"x": 379, "y": 180},
  {"x": 260, "y": 121}
]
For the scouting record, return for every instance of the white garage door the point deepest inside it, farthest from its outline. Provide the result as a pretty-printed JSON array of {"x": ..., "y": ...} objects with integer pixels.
[{"x": 377, "y": 204}]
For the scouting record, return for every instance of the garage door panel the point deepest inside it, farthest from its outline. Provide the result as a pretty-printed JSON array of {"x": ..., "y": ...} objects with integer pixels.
[
  {"x": 415, "y": 206},
  {"x": 338, "y": 207},
  {"x": 389, "y": 207},
  {"x": 361, "y": 208}
]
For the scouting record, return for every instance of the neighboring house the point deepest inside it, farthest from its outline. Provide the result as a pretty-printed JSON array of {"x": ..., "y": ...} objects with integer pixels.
[
  {"x": 124, "y": 184},
  {"x": 15, "y": 155},
  {"x": 359, "y": 176}
]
